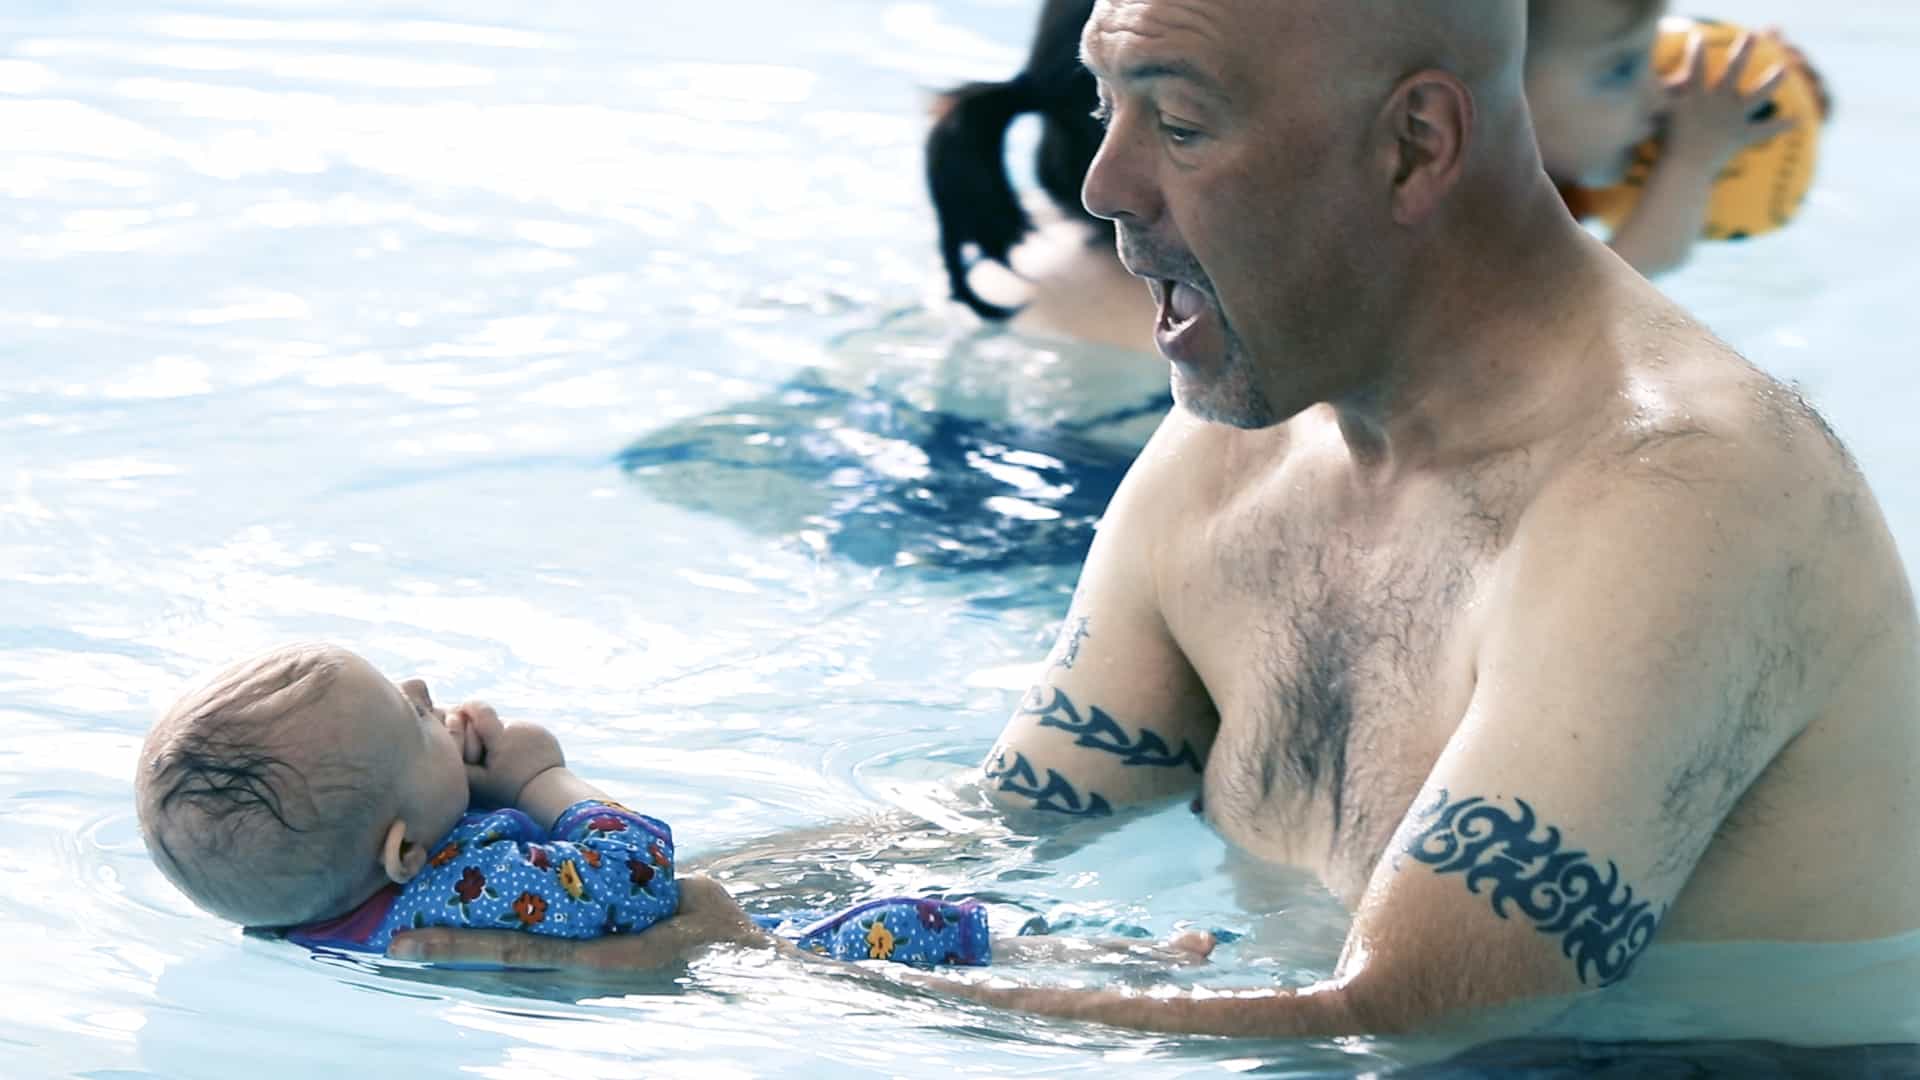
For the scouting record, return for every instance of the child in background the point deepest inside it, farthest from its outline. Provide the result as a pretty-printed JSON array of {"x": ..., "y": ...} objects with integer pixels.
[{"x": 1596, "y": 97}]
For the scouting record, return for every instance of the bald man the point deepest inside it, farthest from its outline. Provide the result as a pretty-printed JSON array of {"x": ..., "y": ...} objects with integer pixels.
[{"x": 1470, "y": 574}]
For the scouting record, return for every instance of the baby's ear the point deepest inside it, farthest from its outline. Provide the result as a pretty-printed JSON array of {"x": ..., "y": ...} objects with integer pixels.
[{"x": 401, "y": 857}]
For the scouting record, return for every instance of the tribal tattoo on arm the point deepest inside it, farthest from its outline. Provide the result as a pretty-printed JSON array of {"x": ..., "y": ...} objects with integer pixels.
[
  {"x": 1052, "y": 708},
  {"x": 1524, "y": 869},
  {"x": 1012, "y": 773}
]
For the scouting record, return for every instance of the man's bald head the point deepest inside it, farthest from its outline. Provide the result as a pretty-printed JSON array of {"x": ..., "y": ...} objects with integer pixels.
[
  {"x": 1482, "y": 42},
  {"x": 1299, "y": 163}
]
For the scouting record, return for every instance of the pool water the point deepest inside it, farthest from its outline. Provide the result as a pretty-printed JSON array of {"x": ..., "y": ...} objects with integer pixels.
[{"x": 428, "y": 329}]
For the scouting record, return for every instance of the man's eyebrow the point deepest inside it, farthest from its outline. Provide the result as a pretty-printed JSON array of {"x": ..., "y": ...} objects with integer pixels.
[{"x": 1160, "y": 70}]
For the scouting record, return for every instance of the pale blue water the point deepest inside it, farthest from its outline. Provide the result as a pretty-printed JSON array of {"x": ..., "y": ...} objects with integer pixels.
[{"x": 330, "y": 320}]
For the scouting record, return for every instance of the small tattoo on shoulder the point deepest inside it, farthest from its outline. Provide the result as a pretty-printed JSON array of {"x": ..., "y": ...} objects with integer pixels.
[{"x": 1066, "y": 651}]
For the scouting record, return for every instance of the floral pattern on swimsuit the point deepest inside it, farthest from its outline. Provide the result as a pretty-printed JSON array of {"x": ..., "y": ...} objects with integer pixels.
[
  {"x": 602, "y": 869},
  {"x": 905, "y": 929}
]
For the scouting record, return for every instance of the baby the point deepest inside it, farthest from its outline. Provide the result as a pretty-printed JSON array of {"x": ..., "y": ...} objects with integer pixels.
[
  {"x": 305, "y": 792},
  {"x": 1595, "y": 98}
]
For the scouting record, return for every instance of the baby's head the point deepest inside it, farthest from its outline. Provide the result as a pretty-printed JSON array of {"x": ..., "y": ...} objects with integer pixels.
[
  {"x": 1591, "y": 84},
  {"x": 292, "y": 786}
]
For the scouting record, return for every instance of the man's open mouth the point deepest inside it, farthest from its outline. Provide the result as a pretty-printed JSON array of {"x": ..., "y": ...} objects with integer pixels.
[{"x": 1180, "y": 303}]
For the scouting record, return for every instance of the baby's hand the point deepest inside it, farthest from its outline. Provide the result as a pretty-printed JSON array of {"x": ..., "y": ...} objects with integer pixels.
[
  {"x": 501, "y": 759},
  {"x": 1709, "y": 122},
  {"x": 477, "y": 727}
]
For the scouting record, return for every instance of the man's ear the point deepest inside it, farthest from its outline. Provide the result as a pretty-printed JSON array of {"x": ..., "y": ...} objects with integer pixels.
[
  {"x": 1428, "y": 122},
  {"x": 401, "y": 857}
]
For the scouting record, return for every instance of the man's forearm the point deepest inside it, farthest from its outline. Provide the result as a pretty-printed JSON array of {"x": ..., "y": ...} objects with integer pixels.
[
  {"x": 925, "y": 827},
  {"x": 1324, "y": 1010}
]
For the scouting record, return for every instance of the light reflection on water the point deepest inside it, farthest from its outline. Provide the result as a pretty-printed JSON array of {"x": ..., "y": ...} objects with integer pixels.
[{"x": 323, "y": 322}]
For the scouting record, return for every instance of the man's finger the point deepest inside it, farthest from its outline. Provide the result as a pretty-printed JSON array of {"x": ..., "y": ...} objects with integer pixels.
[{"x": 499, "y": 947}]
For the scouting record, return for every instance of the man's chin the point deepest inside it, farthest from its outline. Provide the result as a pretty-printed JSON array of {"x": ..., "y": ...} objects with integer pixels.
[{"x": 1243, "y": 409}]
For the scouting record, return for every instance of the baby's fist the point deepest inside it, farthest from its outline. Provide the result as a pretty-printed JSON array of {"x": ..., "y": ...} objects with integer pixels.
[
  {"x": 477, "y": 727},
  {"x": 511, "y": 757}
]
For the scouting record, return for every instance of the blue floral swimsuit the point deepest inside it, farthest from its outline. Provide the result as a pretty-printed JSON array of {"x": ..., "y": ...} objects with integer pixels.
[{"x": 603, "y": 869}]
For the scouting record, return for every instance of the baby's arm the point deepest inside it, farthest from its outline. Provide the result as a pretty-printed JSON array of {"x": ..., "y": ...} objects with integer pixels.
[
  {"x": 520, "y": 766},
  {"x": 1708, "y": 124},
  {"x": 601, "y": 861}
]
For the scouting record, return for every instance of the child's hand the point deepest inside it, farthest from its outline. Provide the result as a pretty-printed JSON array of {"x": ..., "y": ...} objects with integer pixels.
[
  {"x": 1823, "y": 96},
  {"x": 501, "y": 760},
  {"x": 1709, "y": 122}
]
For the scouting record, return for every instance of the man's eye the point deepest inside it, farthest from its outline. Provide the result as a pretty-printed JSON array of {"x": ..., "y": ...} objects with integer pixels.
[{"x": 1177, "y": 135}]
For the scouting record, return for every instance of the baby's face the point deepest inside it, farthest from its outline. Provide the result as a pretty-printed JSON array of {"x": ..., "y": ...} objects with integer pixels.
[
  {"x": 1593, "y": 91},
  {"x": 398, "y": 726}
]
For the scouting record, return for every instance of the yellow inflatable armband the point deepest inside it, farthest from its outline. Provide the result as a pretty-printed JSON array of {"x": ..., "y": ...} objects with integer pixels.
[{"x": 1764, "y": 185}]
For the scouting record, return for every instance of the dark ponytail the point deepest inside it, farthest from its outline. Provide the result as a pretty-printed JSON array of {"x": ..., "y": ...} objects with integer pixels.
[
  {"x": 973, "y": 197},
  {"x": 967, "y": 174}
]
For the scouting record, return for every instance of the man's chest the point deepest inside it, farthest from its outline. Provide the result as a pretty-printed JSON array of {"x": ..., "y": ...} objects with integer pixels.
[{"x": 1340, "y": 665}]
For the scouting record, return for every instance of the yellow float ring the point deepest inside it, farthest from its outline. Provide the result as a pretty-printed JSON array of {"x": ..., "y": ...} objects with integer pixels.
[{"x": 1763, "y": 186}]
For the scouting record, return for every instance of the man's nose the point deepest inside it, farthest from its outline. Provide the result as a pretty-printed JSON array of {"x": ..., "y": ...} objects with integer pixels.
[{"x": 1119, "y": 184}]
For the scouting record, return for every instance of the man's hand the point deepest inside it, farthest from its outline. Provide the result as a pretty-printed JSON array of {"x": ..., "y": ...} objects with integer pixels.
[
  {"x": 501, "y": 760},
  {"x": 707, "y": 917}
]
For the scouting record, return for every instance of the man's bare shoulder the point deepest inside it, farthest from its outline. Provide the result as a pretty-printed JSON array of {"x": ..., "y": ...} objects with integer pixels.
[
  {"x": 1199, "y": 465},
  {"x": 1709, "y": 462},
  {"x": 1697, "y": 414}
]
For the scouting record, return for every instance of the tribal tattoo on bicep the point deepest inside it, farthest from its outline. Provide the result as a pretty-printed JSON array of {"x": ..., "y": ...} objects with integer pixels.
[
  {"x": 1012, "y": 773},
  {"x": 1050, "y": 707},
  {"x": 1524, "y": 869}
]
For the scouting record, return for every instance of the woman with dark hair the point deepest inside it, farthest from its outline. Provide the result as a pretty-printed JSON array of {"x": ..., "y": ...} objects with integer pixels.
[
  {"x": 1057, "y": 277},
  {"x": 935, "y": 442}
]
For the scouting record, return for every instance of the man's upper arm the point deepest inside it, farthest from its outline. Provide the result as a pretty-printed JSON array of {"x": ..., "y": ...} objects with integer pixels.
[
  {"x": 1630, "y": 688},
  {"x": 1117, "y": 718}
]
